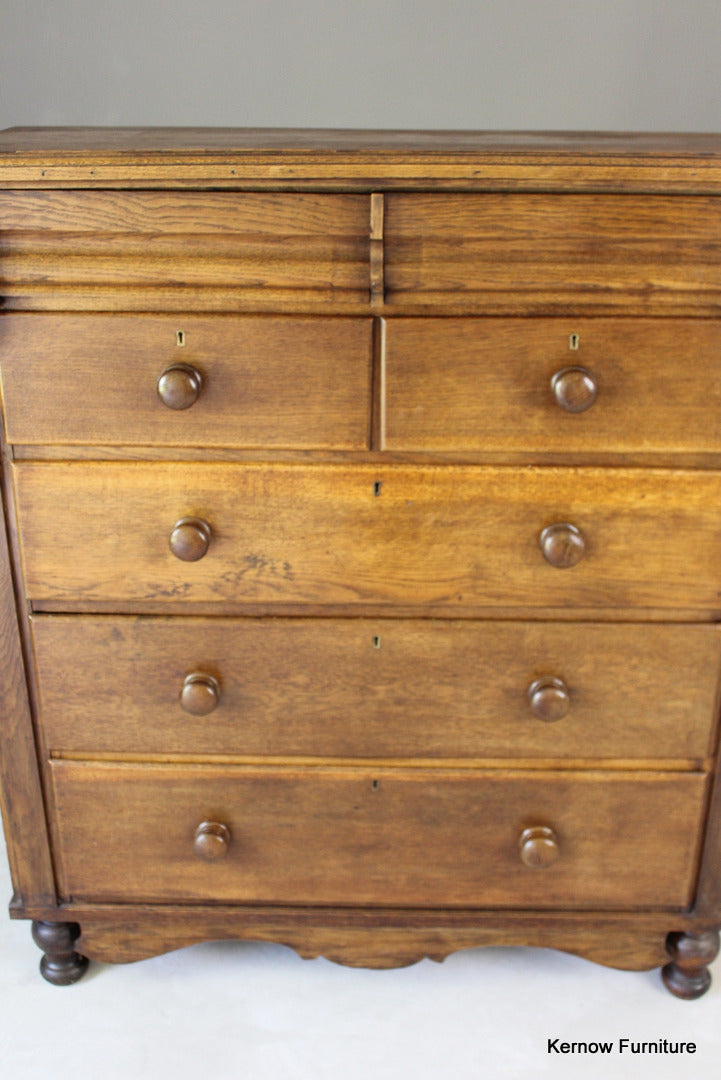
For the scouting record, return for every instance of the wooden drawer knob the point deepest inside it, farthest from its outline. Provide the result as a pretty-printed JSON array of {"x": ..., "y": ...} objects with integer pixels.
[
  {"x": 538, "y": 846},
  {"x": 200, "y": 693},
  {"x": 574, "y": 389},
  {"x": 562, "y": 545},
  {"x": 212, "y": 840},
  {"x": 179, "y": 386},
  {"x": 190, "y": 539},
  {"x": 549, "y": 698}
]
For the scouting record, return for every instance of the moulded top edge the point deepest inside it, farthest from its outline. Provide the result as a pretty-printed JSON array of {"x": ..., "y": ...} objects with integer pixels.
[{"x": 358, "y": 159}]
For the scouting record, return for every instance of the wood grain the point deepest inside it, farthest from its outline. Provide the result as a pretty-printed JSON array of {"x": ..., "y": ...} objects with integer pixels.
[
  {"x": 358, "y": 159},
  {"x": 21, "y": 799},
  {"x": 83, "y": 142},
  {"x": 374, "y": 938},
  {"x": 321, "y": 535},
  {"x": 380, "y": 938},
  {"x": 363, "y": 688},
  {"x": 485, "y": 385},
  {"x": 708, "y": 892},
  {"x": 558, "y": 254},
  {"x": 376, "y": 250},
  {"x": 97, "y": 452},
  {"x": 395, "y": 837},
  {"x": 259, "y": 248},
  {"x": 409, "y": 610},
  {"x": 266, "y": 382}
]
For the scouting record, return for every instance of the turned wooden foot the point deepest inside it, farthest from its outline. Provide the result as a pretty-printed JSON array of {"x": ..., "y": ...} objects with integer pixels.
[
  {"x": 687, "y": 976},
  {"x": 60, "y": 965}
]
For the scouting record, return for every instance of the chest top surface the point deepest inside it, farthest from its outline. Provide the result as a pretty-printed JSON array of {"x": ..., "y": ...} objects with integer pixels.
[{"x": 232, "y": 157}]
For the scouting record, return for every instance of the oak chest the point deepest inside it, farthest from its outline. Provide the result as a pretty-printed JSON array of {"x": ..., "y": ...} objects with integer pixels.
[{"x": 361, "y": 569}]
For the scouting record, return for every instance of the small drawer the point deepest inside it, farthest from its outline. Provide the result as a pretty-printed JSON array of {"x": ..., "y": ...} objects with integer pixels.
[
  {"x": 511, "y": 253},
  {"x": 213, "y": 381},
  {"x": 447, "y": 537},
  {"x": 397, "y": 837},
  {"x": 553, "y": 386},
  {"x": 376, "y": 688}
]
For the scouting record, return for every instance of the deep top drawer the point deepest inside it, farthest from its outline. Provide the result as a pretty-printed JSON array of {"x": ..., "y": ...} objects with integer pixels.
[
  {"x": 498, "y": 253},
  {"x": 182, "y": 250}
]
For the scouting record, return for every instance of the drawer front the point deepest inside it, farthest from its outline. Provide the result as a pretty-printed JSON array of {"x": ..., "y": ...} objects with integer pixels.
[
  {"x": 383, "y": 688},
  {"x": 337, "y": 534},
  {"x": 514, "y": 385},
  {"x": 182, "y": 250},
  {"x": 392, "y": 837},
  {"x": 521, "y": 253},
  {"x": 254, "y": 381}
]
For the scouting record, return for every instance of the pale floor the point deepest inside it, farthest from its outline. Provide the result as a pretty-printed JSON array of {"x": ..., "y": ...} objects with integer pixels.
[{"x": 233, "y": 1010}]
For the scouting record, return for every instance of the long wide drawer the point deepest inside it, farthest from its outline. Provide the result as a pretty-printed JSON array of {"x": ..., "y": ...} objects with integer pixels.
[
  {"x": 359, "y": 534},
  {"x": 358, "y": 836},
  {"x": 236, "y": 381},
  {"x": 553, "y": 386},
  {"x": 383, "y": 688}
]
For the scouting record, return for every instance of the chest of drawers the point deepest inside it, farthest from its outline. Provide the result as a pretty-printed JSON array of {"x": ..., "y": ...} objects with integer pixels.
[{"x": 361, "y": 568}]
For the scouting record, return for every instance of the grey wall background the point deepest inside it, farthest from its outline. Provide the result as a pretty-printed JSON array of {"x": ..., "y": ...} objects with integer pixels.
[{"x": 593, "y": 64}]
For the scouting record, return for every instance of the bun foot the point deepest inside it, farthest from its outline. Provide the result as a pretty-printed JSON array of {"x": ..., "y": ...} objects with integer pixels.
[
  {"x": 687, "y": 976},
  {"x": 60, "y": 965}
]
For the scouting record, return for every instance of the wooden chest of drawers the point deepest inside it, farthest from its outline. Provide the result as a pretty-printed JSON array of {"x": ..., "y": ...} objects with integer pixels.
[{"x": 361, "y": 570}]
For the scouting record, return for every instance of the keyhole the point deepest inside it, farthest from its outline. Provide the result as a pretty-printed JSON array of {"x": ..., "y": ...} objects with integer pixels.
[
  {"x": 376, "y": 641},
  {"x": 180, "y": 337},
  {"x": 573, "y": 341}
]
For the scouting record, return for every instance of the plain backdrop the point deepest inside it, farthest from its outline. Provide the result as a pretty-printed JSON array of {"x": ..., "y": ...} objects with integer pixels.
[
  {"x": 257, "y": 1011},
  {"x": 590, "y": 64}
]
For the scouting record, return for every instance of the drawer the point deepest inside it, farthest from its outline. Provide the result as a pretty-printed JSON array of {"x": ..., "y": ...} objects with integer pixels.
[
  {"x": 236, "y": 381},
  {"x": 376, "y": 688},
  {"x": 183, "y": 250},
  {"x": 515, "y": 385},
  {"x": 412, "y": 837},
  {"x": 513, "y": 253},
  {"x": 358, "y": 534}
]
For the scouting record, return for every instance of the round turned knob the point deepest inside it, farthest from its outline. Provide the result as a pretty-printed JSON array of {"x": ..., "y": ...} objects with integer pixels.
[
  {"x": 212, "y": 840},
  {"x": 562, "y": 545},
  {"x": 538, "y": 846},
  {"x": 549, "y": 698},
  {"x": 179, "y": 386},
  {"x": 200, "y": 693},
  {"x": 190, "y": 539},
  {"x": 574, "y": 389}
]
